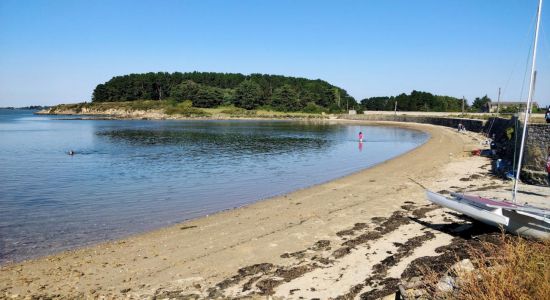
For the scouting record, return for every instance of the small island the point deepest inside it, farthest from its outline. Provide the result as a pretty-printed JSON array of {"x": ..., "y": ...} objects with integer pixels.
[{"x": 233, "y": 95}]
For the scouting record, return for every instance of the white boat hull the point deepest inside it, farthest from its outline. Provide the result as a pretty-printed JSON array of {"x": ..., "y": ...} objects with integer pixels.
[
  {"x": 515, "y": 222},
  {"x": 492, "y": 217},
  {"x": 525, "y": 225}
]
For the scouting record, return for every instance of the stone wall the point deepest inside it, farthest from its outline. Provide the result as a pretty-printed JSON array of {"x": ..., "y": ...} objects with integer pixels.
[
  {"x": 508, "y": 137},
  {"x": 537, "y": 143}
]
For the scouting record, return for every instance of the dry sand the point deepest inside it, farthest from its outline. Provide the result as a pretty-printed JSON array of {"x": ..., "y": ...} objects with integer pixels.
[{"x": 349, "y": 238}]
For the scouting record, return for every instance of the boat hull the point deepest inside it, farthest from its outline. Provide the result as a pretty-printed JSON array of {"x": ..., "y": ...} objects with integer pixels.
[
  {"x": 524, "y": 225},
  {"x": 490, "y": 217},
  {"x": 516, "y": 222}
]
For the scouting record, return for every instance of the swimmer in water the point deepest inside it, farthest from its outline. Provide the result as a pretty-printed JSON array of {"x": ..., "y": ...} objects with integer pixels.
[
  {"x": 360, "y": 136},
  {"x": 71, "y": 152}
]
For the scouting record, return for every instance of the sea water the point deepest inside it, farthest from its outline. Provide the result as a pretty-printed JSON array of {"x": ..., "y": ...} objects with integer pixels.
[{"x": 130, "y": 176}]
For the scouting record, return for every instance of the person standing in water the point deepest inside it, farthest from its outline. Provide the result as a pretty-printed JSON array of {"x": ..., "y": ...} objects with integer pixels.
[{"x": 360, "y": 136}]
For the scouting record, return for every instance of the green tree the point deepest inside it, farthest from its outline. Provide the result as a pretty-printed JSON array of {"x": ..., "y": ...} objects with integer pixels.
[
  {"x": 416, "y": 101},
  {"x": 208, "y": 97},
  {"x": 189, "y": 86},
  {"x": 248, "y": 95},
  {"x": 481, "y": 104},
  {"x": 186, "y": 90},
  {"x": 100, "y": 93},
  {"x": 286, "y": 98}
]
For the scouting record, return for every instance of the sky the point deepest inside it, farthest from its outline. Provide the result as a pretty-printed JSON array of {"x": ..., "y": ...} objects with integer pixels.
[{"x": 57, "y": 51}]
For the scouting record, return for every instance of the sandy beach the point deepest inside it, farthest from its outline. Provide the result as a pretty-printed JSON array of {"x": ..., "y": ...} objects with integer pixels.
[{"x": 349, "y": 238}]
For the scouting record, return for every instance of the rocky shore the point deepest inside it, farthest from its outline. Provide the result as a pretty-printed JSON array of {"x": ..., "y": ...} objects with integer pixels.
[{"x": 163, "y": 110}]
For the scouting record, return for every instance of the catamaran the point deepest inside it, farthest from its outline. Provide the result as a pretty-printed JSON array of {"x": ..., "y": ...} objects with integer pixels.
[{"x": 524, "y": 220}]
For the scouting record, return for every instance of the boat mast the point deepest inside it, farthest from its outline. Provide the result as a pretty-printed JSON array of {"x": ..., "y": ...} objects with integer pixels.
[
  {"x": 528, "y": 106},
  {"x": 498, "y": 101}
]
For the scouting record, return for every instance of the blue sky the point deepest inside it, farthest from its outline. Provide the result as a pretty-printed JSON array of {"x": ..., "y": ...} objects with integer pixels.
[{"x": 58, "y": 51}]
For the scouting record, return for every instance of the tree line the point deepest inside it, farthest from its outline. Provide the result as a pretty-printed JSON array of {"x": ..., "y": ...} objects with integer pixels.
[
  {"x": 415, "y": 101},
  {"x": 209, "y": 89},
  {"x": 424, "y": 101}
]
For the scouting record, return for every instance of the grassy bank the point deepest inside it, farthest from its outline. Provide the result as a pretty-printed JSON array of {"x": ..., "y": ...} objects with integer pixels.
[{"x": 175, "y": 110}]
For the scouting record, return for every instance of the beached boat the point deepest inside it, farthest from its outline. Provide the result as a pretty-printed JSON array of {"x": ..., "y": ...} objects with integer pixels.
[{"x": 518, "y": 219}]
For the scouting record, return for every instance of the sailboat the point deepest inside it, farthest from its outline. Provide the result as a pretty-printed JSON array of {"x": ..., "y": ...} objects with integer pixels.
[{"x": 524, "y": 220}]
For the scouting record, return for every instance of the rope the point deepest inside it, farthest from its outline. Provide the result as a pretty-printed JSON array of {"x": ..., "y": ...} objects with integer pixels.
[
  {"x": 525, "y": 38},
  {"x": 524, "y": 41}
]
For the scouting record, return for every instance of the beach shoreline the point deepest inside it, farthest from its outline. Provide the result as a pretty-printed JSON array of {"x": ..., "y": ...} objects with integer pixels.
[{"x": 196, "y": 255}]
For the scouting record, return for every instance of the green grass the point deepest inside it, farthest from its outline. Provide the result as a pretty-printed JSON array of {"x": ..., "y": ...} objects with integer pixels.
[
  {"x": 264, "y": 112},
  {"x": 185, "y": 109}
]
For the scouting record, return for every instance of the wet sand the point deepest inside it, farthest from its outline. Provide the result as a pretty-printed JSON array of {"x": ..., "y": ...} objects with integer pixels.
[{"x": 352, "y": 237}]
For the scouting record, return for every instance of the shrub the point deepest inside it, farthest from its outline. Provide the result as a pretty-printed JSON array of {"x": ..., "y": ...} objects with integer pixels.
[
  {"x": 237, "y": 111},
  {"x": 517, "y": 269},
  {"x": 513, "y": 268},
  {"x": 186, "y": 109},
  {"x": 313, "y": 108}
]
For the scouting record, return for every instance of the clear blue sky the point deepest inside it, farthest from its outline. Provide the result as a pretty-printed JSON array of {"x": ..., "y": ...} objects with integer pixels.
[{"x": 58, "y": 51}]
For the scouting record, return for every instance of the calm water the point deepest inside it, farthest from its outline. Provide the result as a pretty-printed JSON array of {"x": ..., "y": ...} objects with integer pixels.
[{"x": 133, "y": 176}]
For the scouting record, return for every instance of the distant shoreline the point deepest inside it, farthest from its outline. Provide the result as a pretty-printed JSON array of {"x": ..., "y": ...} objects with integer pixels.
[
  {"x": 32, "y": 107},
  {"x": 157, "y": 110}
]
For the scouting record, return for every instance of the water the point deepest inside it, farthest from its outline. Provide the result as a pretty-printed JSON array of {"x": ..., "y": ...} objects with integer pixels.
[{"x": 132, "y": 176}]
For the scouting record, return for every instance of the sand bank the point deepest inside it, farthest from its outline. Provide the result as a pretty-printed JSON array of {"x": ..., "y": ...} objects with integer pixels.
[{"x": 351, "y": 236}]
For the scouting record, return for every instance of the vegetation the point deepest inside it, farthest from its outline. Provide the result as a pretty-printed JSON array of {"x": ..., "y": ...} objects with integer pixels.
[
  {"x": 517, "y": 269},
  {"x": 513, "y": 268},
  {"x": 248, "y": 95},
  {"x": 179, "y": 109},
  {"x": 104, "y": 106},
  {"x": 481, "y": 104},
  {"x": 208, "y": 90},
  {"x": 415, "y": 101},
  {"x": 185, "y": 109}
]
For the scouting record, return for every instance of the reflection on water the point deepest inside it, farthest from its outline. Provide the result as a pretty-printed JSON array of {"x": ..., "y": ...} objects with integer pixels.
[
  {"x": 130, "y": 176},
  {"x": 192, "y": 142}
]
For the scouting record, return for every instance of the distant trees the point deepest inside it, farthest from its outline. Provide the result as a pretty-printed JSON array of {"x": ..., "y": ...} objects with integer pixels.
[
  {"x": 248, "y": 94},
  {"x": 186, "y": 90},
  {"x": 207, "y": 89},
  {"x": 200, "y": 95},
  {"x": 481, "y": 104},
  {"x": 415, "y": 101},
  {"x": 286, "y": 98}
]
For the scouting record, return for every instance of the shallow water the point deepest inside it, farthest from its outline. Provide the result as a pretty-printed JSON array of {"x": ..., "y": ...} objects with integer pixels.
[{"x": 129, "y": 176}]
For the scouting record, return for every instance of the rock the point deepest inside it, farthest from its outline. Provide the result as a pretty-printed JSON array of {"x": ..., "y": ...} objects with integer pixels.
[
  {"x": 463, "y": 266},
  {"x": 417, "y": 293},
  {"x": 446, "y": 284},
  {"x": 413, "y": 282},
  {"x": 410, "y": 292}
]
